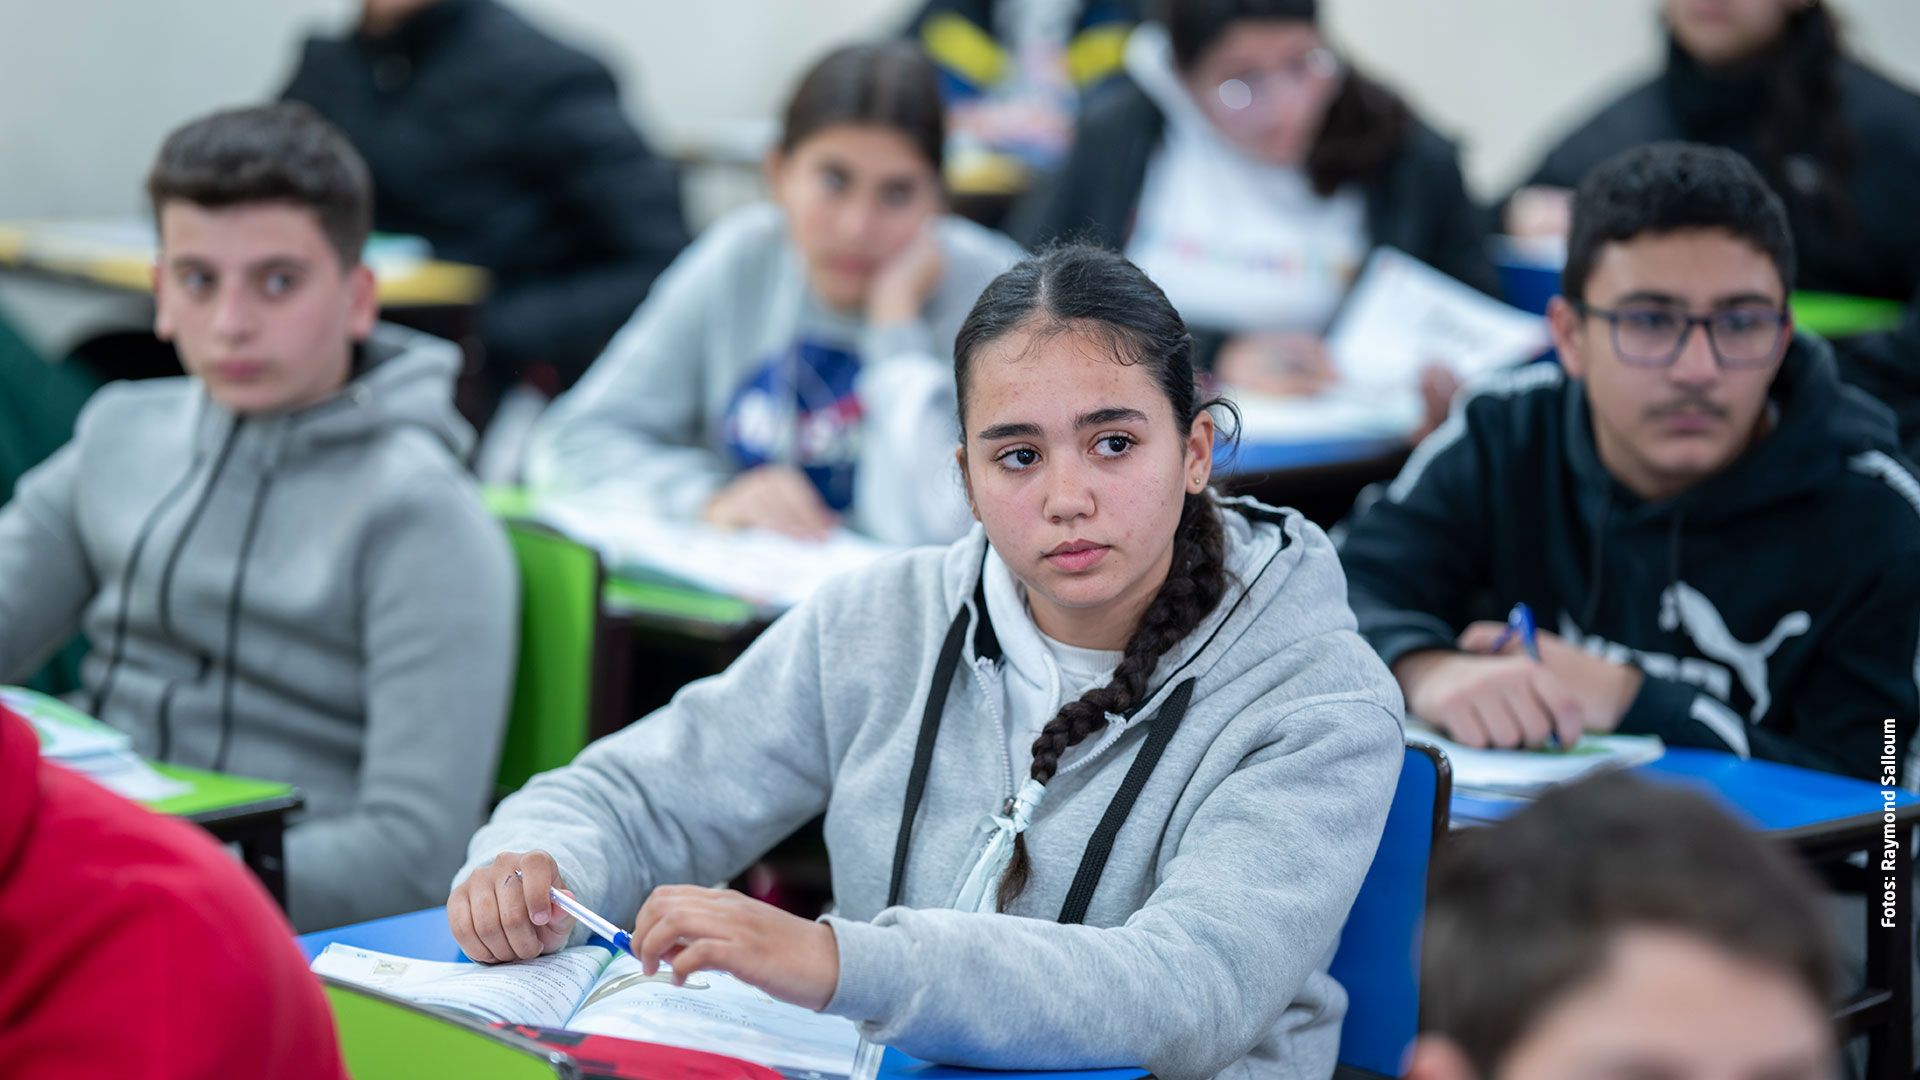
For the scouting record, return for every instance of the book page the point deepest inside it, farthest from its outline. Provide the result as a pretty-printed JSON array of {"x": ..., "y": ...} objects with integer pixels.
[
  {"x": 542, "y": 992},
  {"x": 764, "y": 568},
  {"x": 720, "y": 1014}
]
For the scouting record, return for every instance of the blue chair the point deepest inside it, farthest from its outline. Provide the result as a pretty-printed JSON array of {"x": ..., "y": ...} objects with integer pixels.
[{"x": 1378, "y": 957}]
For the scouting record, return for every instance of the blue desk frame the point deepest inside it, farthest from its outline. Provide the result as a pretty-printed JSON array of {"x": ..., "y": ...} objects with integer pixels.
[
  {"x": 1826, "y": 818},
  {"x": 424, "y": 935}
]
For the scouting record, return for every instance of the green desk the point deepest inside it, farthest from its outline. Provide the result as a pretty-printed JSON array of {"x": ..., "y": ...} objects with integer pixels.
[{"x": 238, "y": 810}]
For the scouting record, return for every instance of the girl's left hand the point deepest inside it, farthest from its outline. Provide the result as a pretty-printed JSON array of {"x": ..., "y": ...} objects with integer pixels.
[{"x": 691, "y": 928}]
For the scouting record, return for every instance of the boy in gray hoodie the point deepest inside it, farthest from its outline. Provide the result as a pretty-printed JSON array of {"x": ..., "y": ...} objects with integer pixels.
[
  {"x": 279, "y": 562},
  {"x": 1157, "y": 877}
]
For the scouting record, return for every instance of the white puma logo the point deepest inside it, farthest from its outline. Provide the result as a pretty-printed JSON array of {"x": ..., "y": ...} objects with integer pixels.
[{"x": 1682, "y": 605}]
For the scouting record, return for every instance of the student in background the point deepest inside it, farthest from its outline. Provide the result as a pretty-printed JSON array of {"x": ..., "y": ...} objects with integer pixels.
[
  {"x": 1618, "y": 928},
  {"x": 135, "y": 946},
  {"x": 1719, "y": 539},
  {"x": 1249, "y": 169},
  {"x": 280, "y": 564},
  {"x": 1109, "y": 619},
  {"x": 1839, "y": 142},
  {"x": 510, "y": 150},
  {"x": 791, "y": 369}
]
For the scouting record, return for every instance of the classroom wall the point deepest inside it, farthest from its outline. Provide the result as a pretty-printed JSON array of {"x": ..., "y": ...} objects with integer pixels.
[{"x": 88, "y": 87}]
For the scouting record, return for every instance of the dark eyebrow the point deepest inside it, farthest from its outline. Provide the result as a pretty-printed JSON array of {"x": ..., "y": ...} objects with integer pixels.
[
  {"x": 277, "y": 262},
  {"x": 1738, "y": 299},
  {"x": 1646, "y": 296},
  {"x": 1113, "y": 414},
  {"x": 1110, "y": 415},
  {"x": 1009, "y": 431}
]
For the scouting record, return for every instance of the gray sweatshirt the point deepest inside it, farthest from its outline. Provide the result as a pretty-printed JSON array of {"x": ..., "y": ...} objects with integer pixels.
[
  {"x": 1206, "y": 946},
  {"x": 733, "y": 362},
  {"x": 318, "y": 597}
]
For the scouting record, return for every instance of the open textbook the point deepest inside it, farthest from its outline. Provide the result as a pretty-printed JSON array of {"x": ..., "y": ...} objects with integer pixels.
[
  {"x": 767, "y": 569},
  {"x": 1401, "y": 316},
  {"x": 77, "y": 741},
  {"x": 593, "y": 990},
  {"x": 1528, "y": 772}
]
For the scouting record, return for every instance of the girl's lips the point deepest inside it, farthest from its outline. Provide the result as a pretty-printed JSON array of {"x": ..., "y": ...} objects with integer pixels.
[
  {"x": 239, "y": 370},
  {"x": 1077, "y": 557}
]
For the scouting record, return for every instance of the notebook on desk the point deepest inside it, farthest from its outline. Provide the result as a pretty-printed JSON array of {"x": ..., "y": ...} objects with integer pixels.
[
  {"x": 592, "y": 990},
  {"x": 1524, "y": 773}
]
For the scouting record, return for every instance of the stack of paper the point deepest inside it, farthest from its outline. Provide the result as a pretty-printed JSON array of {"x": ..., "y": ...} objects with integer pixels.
[
  {"x": 1401, "y": 316},
  {"x": 87, "y": 746},
  {"x": 764, "y": 568},
  {"x": 1528, "y": 772}
]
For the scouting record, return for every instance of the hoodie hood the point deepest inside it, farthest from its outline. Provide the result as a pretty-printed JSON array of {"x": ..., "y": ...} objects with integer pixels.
[
  {"x": 402, "y": 378},
  {"x": 1267, "y": 567}
]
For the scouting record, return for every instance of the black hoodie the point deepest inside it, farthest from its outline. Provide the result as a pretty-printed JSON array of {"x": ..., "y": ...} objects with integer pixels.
[
  {"x": 1774, "y": 608},
  {"x": 1868, "y": 246},
  {"x": 508, "y": 149}
]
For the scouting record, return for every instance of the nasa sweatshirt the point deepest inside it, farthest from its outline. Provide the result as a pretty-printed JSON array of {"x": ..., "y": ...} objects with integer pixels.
[{"x": 1774, "y": 608}]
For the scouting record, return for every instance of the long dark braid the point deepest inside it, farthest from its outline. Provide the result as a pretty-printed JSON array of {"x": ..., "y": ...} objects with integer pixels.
[
  {"x": 1195, "y": 582},
  {"x": 1082, "y": 289}
]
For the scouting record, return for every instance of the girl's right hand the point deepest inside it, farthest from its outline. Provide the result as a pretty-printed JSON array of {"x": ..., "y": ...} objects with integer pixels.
[
  {"x": 904, "y": 285},
  {"x": 502, "y": 911}
]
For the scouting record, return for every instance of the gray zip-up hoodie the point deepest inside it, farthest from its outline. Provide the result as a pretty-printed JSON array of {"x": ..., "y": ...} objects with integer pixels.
[
  {"x": 1205, "y": 949},
  {"x": 733, "y": 361},
  {"x": 317, "y": 596}
]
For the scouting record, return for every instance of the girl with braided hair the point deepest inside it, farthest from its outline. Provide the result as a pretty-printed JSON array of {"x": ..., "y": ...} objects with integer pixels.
[{"x": 1100, "y": 780}]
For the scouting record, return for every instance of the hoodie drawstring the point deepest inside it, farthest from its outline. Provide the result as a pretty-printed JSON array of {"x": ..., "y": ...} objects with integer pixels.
[
  {"x": 96, "y": 706},
  {"x": 234, "y": 596}
]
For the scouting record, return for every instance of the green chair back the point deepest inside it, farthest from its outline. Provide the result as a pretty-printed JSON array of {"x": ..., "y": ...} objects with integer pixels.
[
  {"x": 560, "y": 586},
  {"x": 384, "y": 1038}
]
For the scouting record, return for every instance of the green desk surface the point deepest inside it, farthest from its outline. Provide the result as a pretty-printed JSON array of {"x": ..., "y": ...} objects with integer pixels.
[
  {"x": 631, "y": 596},
  {"x": 1840, "y": 315},
  {"x": 219, "y": 793},
  {"x": 645, "y": 600}
]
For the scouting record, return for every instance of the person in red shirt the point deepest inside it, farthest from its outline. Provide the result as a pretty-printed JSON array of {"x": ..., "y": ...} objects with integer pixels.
[{"x": 131, "y": 944}]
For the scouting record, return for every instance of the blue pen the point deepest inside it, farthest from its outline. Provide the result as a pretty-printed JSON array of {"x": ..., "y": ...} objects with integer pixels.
[
  {"x": 1520, "y": 625},
  {"x": 620, "y": 938}
]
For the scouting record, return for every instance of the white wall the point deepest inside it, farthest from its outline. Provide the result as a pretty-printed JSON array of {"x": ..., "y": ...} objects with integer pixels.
[{"x": 88, "y": 87}]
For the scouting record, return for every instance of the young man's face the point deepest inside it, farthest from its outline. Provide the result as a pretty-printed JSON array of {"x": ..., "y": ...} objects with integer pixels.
[
  {"x": 1663, "y": 429},
  {"x": 1666, "y": 1005},
  {"x": 257, "y": 304}
]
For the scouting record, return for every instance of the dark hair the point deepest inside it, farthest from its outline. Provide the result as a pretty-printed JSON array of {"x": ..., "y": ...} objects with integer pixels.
[
  {"x": 269, "y": 153},
  {"x": 1522, "y": 912},
  {"x": 1666, "y": 186},
  {"x": 887, "y": 84},
  {"x": 1078, "y": 289},
  {"x": 1365, "y": 125},
  {"x": 1794, "y": 93}
]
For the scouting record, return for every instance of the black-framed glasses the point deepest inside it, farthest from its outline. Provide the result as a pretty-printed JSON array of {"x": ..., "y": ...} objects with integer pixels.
[{"x": 1653, "y": 335}]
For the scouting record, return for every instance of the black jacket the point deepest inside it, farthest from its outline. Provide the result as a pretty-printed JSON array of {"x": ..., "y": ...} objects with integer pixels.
[
  {"x": 506, "y": 149},
  {"x": 1869, "y": 248},
  {"x": 1774, "y": 608},
  {"x": 1418, "y": 203}
]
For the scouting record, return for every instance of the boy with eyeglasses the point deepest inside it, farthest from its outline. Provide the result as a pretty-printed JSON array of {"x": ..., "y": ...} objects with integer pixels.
[{"x": 1719, "y": 541}]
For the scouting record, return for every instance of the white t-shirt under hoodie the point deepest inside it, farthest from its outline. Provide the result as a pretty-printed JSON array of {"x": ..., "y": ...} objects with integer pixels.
[{"x": 1238, "y": 244}]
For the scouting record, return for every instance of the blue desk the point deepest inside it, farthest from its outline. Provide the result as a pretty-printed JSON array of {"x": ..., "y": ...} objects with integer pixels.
[
  {"x": 1826, "y": 818},
  {"x": 424, "y": 935},
  {"x": 1271, "y": 457}
]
